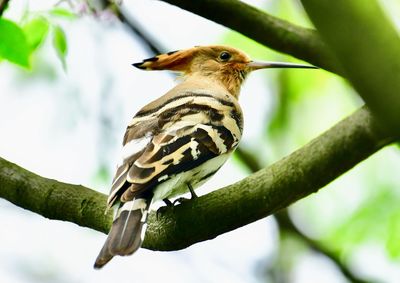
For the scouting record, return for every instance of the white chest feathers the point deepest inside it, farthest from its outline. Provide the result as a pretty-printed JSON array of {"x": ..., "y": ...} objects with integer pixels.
[{"x": 178, "y": 184}]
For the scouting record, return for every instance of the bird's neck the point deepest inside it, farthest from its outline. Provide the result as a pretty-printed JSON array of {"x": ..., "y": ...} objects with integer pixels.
[
  {"x": 232, "y": 84},
  {"x": 215, "y": 81}
]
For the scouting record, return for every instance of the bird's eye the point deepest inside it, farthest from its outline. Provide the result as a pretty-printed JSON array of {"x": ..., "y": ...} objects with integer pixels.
[{"x": 225, "y": 56}]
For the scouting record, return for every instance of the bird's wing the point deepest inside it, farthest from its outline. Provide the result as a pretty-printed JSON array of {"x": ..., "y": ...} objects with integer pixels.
[{"x": 175, "y": 137}]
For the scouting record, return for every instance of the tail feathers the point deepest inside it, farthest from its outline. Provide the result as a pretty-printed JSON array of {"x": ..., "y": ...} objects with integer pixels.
[{"x": 125, "y": 236}]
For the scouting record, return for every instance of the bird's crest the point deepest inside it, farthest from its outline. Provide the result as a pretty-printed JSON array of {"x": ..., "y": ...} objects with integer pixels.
[{"x": 174, "y": 61}]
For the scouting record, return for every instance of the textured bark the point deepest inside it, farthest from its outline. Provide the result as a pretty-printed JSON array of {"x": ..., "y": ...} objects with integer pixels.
[
  {"x": 53, "y": 199},
  {"x": 265, "y": 192},
  {"x": 278, "y": 34}
]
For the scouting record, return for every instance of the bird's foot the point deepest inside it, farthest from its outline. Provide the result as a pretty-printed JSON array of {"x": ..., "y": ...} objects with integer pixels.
[
  {"x": 183, "y": 200},
  {"x": 192, "y": 193},
  {"x": 168, "y": 203}
]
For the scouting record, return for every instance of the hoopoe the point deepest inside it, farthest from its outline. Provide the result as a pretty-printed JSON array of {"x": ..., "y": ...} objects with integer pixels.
[{"x": 178, "y": 141}]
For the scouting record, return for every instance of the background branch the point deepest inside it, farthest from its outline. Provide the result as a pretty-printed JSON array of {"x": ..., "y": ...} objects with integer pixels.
[
  {"x": 268, "y": 30},
  {"x": 265, "y": 192},
  {"x": 3, "y": 6},
  {"x": 286, "y": 224},
  {"x": 248, "y": 159},
  {"x": 368, "y": 52},
  {"x": 148, "y": 41}
]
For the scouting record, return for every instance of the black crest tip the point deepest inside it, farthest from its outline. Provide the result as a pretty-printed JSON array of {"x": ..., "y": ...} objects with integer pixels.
[{"x": 139, "y": 65}]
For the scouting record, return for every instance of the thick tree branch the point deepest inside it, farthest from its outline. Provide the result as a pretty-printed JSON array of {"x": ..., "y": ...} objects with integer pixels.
[
  {"x": 53, "y": 199},
  {"x": 267, "y": 191},
  {"x": 367, "y": 47},
  {"x": 268, "y": 30}
]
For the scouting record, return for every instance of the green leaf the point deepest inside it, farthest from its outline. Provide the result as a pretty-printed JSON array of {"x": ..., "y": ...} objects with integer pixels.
[
  {"x": 60, "y": 44},
  {"x": 13, "y": 44},
  {"x": 36, "y": 31},
  {"x": 64, "y": 13}
]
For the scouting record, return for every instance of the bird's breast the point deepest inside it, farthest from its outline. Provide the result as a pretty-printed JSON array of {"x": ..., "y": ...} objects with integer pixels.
[{"x": 178, "y": 184}]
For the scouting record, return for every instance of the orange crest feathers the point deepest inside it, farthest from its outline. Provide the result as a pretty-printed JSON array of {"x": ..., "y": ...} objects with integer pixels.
[{"x": 175, "y": 61}]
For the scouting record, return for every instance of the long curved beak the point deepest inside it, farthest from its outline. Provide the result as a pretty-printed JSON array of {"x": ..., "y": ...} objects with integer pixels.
[{"x": 255, "y": 65}]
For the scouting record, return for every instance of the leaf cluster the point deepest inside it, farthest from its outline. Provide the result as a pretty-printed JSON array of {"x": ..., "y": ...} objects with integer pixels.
[{"x": 20, "y": 41}]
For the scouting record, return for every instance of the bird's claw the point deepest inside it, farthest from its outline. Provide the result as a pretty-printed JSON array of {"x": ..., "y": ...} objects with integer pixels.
[
  {"x": 181, "y": 200},
  {"x": 169, "y": 204}
]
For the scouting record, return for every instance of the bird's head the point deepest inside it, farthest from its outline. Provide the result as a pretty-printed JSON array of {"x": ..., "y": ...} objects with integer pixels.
[{"x": 224, "y": 64}]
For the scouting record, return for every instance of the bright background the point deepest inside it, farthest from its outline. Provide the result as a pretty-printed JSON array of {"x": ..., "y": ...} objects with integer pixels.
[{"x": 68, "y": 124}]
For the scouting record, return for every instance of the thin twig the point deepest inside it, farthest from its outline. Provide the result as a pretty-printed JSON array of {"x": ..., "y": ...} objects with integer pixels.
[
  {"x": 148, "y": 41},
  {"x": 3, "y": 6},
  {"x": 136, "y": 29}
]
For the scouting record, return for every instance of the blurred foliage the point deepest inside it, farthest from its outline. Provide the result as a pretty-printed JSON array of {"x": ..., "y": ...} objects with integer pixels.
[
  {"x": 60, "y": 44},
  {"x": 36, "y": 31},
  {"x": 19, "y": 41},
  {"x": 376, "y": 220},
  {"x": 14, "y": 46},
  {"x": 63, "y": 13}
]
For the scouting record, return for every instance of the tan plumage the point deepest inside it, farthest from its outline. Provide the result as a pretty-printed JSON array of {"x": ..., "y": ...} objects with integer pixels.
[{"x": 181, "y": 139}]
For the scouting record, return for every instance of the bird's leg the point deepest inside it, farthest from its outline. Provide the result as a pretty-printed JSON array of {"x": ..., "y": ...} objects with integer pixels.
[
  {"x": 168, "y": 202},
  {"x": 182, "y": 199},
  {"x": 193, "y": 194}
]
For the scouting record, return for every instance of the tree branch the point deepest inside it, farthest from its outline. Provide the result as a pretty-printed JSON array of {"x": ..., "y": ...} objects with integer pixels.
[
  {"x": 53, "y": 199},
  {"x": 137, "y": 30},
  {"x": 268, "y": 30},
  {"x": 3, "y": 6},
  {"x": 265, "y": 192},
  {"x": 367, "y": 47},
  {"x": 248, "y": 159}
]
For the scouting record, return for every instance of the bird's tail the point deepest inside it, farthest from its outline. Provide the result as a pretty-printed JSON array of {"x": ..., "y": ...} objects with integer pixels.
[{"x": 127, "y": 231}]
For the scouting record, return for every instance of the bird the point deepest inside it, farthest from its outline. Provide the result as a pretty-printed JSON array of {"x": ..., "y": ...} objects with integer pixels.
[{"x": 177, "y": 142}]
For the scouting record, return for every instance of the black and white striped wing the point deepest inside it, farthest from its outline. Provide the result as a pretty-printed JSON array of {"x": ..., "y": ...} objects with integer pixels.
[{"x": 178, "y": 139}]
